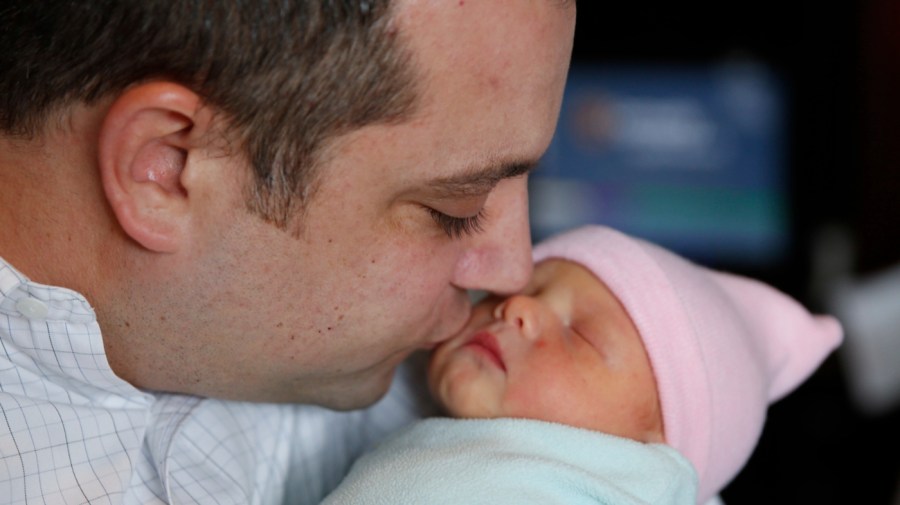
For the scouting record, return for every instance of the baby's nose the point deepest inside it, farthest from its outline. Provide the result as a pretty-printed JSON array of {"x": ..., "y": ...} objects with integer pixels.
[{"x": 521, "y": 312}]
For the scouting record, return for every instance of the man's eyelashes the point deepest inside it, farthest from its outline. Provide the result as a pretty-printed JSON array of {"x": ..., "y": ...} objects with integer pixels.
[{"x": 457, "y": 227}]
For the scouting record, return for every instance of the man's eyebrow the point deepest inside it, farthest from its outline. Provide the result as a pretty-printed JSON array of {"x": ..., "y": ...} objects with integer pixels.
[{"x": 481, "y": 180}]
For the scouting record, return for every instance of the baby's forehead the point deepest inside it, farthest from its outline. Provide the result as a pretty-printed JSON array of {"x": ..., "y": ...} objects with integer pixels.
[
  {"x": 561, "y": 272},
  {"x": 591, "y": 300}
]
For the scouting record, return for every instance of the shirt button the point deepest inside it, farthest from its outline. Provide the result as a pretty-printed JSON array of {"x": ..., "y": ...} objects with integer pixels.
[{"x": 32, "y": 308}]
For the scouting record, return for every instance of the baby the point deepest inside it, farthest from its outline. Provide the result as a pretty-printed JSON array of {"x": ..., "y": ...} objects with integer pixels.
[{"x": 622, "y": 374}]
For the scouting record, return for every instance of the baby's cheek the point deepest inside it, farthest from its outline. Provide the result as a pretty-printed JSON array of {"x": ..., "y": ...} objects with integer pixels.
[
  {"x": 517, "y": 403},
  {"x": 543, "y": 396}
]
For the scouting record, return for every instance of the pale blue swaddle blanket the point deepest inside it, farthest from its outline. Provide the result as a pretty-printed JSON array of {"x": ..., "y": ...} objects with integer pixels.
[{"x": 515, "y": 461}]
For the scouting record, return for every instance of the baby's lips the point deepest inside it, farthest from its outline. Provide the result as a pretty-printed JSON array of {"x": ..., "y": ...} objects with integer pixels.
[{"x": 488, "y": 341}]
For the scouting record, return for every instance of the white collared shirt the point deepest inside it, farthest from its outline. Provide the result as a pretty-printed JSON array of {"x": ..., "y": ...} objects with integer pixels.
[{"x": 72, "y": 432}]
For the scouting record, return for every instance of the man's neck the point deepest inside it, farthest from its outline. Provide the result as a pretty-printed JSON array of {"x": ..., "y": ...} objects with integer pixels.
[{"x": 52, "y": 211}]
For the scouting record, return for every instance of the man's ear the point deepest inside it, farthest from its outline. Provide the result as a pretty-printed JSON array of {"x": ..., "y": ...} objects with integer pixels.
[{"x": 144, "y": 143}]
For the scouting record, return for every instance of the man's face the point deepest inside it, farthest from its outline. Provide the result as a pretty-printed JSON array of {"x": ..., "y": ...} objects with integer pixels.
[
  {"x": 565, "y": 350},
  {"x": 374, "y": 274}
]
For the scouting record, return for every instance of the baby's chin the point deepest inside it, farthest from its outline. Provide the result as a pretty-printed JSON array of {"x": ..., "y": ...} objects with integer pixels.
[
  {"x": 464, "y": 399},
  {"x": 471, "y": 411},
  {"x": 461, "y": 385}
]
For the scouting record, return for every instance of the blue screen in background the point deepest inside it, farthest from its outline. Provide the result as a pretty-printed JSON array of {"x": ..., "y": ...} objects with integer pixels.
[{"x": 692, "y": 158}]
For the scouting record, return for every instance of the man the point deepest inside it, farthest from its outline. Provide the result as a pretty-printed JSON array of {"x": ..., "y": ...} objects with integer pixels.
[{"x": 257, "y": 201}]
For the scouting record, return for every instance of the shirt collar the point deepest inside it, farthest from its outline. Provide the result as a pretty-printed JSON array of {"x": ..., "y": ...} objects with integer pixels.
[{"x": 52, "y": 332}]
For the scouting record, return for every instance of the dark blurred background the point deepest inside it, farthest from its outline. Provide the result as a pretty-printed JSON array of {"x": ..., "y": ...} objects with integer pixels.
[{"x": 806, "y": 145}]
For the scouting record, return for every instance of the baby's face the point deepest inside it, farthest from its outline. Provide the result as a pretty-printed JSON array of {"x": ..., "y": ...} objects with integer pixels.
[{"x": 564, "y": 350}]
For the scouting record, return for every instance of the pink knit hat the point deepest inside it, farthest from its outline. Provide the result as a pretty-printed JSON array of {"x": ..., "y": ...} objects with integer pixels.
[{"x": 722, "y": 347}]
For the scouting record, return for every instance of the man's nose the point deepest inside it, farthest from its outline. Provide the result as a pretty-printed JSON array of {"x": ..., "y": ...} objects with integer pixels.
[
  {"x": 521, "y": 312},
  {"x": 498, "y": 259}
]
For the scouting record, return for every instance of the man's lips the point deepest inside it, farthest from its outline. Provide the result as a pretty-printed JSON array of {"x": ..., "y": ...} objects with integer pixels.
[
  {"x": 486, "y": 342},
  {"x": 440, "y": 338}
]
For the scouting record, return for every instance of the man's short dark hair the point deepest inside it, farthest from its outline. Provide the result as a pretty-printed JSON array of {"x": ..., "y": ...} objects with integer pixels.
[{"x": 287, "y": 74}]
